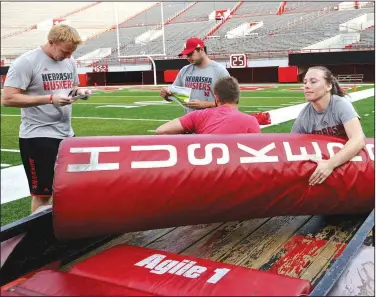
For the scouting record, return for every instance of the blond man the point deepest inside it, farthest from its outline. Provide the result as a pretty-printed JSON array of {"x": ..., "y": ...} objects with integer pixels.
[{"x": 43, "y": 82}]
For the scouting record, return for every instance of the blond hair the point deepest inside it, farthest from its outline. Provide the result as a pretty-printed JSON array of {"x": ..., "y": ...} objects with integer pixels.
[{"x": 65, "y": 34}]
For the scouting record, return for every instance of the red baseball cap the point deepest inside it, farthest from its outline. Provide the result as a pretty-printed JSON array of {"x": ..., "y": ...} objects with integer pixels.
[{"x": 191, "y": 44}]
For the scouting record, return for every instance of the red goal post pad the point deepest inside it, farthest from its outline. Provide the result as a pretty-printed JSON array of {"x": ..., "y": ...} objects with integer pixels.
[
  {"x": 105, "y": 185},
  {"x": 169, "y": 76},
  {"x": 288, "y": 74}
]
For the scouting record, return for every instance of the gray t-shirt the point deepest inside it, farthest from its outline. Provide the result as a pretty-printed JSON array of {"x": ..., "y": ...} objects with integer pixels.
[
  {"x": 328, "y": 122},
  {"x": 37, "y": 74},
  {"x": 201, "y": 80}
]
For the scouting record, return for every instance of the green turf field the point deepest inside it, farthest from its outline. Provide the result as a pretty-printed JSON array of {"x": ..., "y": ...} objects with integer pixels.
[{"x": 140, "y": 112}]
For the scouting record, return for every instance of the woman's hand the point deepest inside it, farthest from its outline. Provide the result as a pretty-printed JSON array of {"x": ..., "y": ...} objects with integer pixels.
[{"x": 323, "y": 170}]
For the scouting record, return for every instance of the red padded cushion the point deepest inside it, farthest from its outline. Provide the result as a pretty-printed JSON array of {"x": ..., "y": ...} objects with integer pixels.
[
  {"x": 153, "y": 271},
  {"x": 53, "y": 283},
  {"x": 9, "y": 293}
]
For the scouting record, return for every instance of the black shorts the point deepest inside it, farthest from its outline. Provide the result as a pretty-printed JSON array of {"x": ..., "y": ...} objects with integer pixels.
[{"x": 39, "y": 157}]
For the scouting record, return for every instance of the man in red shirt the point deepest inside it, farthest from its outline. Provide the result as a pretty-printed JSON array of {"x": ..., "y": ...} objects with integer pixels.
[{"x": 223, "y": 119}]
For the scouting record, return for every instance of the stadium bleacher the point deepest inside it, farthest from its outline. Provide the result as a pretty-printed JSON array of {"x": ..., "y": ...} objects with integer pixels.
[
  {"x": 31, "y": 13},
  {"x": 89, "y": 21},
  {"x": 301, "y": 25},
  {"x": 367, "y": 39}
]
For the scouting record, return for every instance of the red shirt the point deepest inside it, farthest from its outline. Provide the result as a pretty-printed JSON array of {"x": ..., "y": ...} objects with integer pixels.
[{"x": 219, "y": 120}]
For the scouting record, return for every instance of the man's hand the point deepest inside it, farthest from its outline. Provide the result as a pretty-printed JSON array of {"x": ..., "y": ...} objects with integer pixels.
[
  {"x": 60, "y": 100},
  {"x": 83, "y": 92},
  {"x": 323, "y": 170},
  {"x": 165, "y": 93},
  {"x": 198, "y": 104}
]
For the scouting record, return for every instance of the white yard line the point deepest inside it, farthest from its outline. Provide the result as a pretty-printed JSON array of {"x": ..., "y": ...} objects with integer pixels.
[
  {"x": 14, "y": 183},
  {"x": 97, "y": 103},
  {"x": 260, "y": 106},
  {"x": 5, "y": 165},
  {"x": 8, "y": 150},
  {"x": 124, "y": 103},
  {"x": 169, "y": 104},
  {"x": 157, "y": 96},
  {"x": 289, "y": 113},
  {"x": 120, "y": 119},
  {"x": 118, "y": 106},
  {"x": 97, "y": 118}
]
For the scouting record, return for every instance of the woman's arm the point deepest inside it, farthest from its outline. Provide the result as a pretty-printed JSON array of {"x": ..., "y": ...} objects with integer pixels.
[{"x": 352, "y": 147}]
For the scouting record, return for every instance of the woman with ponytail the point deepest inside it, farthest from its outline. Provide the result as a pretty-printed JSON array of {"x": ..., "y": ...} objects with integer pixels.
[{"x": 329, "y": 112}]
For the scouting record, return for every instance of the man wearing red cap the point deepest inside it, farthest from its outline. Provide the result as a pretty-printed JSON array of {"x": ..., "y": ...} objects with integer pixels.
[{"x": 200, "y": 75}]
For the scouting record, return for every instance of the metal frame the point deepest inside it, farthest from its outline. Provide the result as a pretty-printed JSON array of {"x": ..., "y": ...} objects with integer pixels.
[
  {"x": 26, "y": 224},
  {"x": 336, "y": 270},
  {"x": 38, "y": 247}
]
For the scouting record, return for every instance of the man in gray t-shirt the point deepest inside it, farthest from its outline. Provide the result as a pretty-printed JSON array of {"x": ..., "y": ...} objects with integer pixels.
[
  {"x": 42, "y": 82},
  {"x": 200, "y": 75},
  {"x": 38, "y": 75},
  {"x": 328, "y": 122}
]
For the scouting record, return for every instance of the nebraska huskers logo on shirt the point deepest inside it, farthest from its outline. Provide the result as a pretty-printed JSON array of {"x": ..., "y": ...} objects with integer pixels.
[
  {"x": 57, "y": 81},
  {"x": 199, "y": 83}
]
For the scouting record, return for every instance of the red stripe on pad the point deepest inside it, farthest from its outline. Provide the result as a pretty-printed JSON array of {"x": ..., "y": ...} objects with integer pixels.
[{"x": 53, "y": 283}]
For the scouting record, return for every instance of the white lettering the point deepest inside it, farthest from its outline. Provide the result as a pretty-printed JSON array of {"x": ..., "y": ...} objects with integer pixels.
[
  {"x": 164, "y": 266},
  {"x": 370, "y": 147},
  {"x": 151, "y": 262},
  {"x": 219, "y": 273},
  {"x": 208, "y": 154},
  {"x": 332, "y": 145},
  {"x": 185, "y": 268},
  {"x": 177, "y": 267},
  {"x": 303, "y": 153},
  {"x": 259, "y": 156},
  {"x": 195, "y": 272},
  {"x": 171, "y": 161},
  {"x": 94, "y": 164}
]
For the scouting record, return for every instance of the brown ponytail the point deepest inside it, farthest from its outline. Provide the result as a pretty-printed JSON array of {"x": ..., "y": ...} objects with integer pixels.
[{"x": 331, "y": 79}]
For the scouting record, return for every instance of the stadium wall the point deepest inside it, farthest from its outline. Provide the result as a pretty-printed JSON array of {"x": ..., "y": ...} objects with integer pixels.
[
  {"x": 244, "y": 75},
  {"x": 332, "y": 58},
  {"x": 340, "y": 63},
  {"x": 347, "y": 63}
]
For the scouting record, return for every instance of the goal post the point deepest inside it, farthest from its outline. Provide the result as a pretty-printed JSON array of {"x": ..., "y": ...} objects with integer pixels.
[{"x": 148, "y": 56}]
